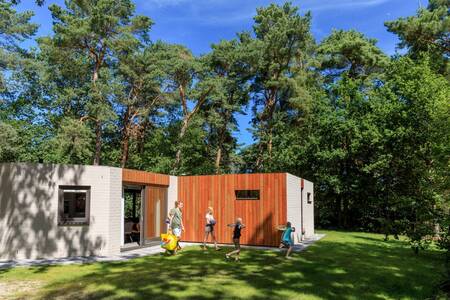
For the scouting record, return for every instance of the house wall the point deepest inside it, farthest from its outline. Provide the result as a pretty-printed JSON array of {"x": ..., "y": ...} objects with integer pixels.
[
  {"x": 172, "y": 193},
  {"x": 29, "y": 211},
  {"x": 294, "y": 213},
  {"x": 308, "y": 213},
  {"x": 218, "y": 191},
  {"x": 144, "y": 178}
]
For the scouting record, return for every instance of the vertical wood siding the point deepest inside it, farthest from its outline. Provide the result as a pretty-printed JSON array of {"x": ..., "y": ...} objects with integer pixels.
[
  {"x": 144, "y": 178},
  {"x": 155, "y": 197},
  {"x": 260, "y": 216}
]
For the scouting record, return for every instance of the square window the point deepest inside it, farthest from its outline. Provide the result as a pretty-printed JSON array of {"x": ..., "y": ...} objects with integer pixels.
[
  {"x": 308, "y": 198},
  {"x": 74, "y": 204},
  {"x": 247, "y": 194}
]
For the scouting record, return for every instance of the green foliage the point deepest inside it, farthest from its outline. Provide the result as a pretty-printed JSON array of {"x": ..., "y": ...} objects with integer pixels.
[
  {"x": 350, "y": 52},
  {"x": 427, "y": 32},
  {"x": 371, "y": 131}
]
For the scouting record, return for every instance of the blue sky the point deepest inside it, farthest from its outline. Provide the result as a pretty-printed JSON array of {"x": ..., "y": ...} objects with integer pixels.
[{"x": 199, "y": 23}]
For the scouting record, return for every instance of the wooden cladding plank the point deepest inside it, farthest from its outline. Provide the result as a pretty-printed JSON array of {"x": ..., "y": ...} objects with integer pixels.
[
  {"x": 145, "y": 178},
  {"x": 156, "y": 211},
  {"x": 260, "y": 216}
]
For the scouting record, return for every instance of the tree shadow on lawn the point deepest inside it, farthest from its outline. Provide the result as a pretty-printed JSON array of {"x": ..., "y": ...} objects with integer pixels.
[{"x": 327, "y": 270}]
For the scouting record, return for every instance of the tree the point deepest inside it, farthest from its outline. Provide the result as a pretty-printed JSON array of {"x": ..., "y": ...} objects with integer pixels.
[
  {"x": 189, "y": 81},
  {"x": 14, "y": 28},
  {"x": 282, "y": 37},
  {"x": 427, "y": 32},
  {"x": 228, "y": 64},
  {"x": 141, "y": 76},
  {"x": 93, "y": 30},
  {"x": 350, "y": 53}
]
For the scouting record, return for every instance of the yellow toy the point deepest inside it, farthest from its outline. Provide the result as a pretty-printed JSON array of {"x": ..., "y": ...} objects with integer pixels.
[{"x": 168, "y": 241}]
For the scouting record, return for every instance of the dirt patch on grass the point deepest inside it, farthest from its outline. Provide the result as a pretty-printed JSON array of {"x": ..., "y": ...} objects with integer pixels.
[{"x": 14, "y": 289}]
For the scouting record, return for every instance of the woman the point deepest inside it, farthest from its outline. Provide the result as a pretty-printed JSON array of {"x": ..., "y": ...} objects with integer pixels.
[{"x": 209, "y": 228}]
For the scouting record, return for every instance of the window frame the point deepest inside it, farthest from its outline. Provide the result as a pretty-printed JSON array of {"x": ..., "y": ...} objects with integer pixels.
[
  {"x": 237, "y": 197},
  {"x": 75, "y": 221}
]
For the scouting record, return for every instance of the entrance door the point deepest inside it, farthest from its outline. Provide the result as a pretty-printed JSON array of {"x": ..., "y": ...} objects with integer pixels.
[
  {"x": 155, "y": 213},
  {"x": 132, "y": 197}
]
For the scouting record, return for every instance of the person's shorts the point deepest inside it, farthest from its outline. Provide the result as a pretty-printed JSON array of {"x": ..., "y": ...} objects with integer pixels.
[
  {"x": 237, "y": 244},
  {"x": 209, "y": 228},
  {"x": 176, "y": 232},
  {"x": 287, "y": 244}
]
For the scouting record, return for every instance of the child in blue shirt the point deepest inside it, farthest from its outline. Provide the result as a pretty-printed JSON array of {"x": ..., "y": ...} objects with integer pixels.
[{"x": 286, "y": 238}]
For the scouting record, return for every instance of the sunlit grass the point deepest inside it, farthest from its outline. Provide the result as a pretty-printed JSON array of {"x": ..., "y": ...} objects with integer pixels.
[{"x": 341, "y": 266}]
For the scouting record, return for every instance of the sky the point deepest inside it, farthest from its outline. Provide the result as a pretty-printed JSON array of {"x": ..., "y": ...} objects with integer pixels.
[{"x": 199, "y": 23}]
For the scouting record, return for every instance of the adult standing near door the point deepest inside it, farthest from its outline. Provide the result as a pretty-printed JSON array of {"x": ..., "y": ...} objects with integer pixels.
[{"x": 176, "y": 221}]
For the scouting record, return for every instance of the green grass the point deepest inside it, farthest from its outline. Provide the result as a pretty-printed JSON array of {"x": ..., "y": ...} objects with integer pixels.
[{"x": 344, "y": 265}]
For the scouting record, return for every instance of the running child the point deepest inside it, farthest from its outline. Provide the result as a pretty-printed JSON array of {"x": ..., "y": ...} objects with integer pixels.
[
  {"x": 286, "y": 238},
  {"x": 238, "y": 226}
]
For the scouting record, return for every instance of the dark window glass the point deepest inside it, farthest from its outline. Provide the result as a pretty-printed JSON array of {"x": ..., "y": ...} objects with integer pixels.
[
  {"x": 247, "y": 194},
  {"x": 74, "y": 205},
  {"x": 308, "y": 198}
]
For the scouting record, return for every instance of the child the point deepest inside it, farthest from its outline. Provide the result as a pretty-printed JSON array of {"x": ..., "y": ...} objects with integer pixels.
[
  {"x": 236, "y": 238},
  {"x": 286, "y": 238}
]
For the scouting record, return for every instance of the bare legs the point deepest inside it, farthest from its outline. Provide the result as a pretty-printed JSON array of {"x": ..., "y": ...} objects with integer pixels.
[
  {"x": 235, "y": 252},
  {"x": 289, "y": 250},
  {"x": 213, "y": 236}
]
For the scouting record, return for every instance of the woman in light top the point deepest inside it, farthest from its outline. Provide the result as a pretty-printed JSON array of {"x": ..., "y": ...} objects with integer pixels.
[{"x": 209, "y": 228}]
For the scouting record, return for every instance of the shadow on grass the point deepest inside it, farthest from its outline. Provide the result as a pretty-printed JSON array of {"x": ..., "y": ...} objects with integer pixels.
[{"x": 327, "y": 270}]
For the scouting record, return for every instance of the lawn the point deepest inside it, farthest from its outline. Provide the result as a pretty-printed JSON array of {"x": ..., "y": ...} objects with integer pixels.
[{"x": 343, "y": 265}]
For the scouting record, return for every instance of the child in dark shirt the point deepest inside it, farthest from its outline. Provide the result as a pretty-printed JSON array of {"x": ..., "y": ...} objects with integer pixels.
[{"x": 238, "y": 226}]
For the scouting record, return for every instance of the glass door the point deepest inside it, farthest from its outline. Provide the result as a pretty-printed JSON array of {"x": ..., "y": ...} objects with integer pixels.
[{"x": 132, "y": 222}]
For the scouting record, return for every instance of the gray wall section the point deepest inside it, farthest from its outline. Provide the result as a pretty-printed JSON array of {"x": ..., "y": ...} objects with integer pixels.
[
  {"x": 293, "y": 213},
  {"x": 29, "y": 205},
  {"x": 293, "y": 205},
  {"x": 172, "y": 193},
  {"x": 308, "y": 208}
]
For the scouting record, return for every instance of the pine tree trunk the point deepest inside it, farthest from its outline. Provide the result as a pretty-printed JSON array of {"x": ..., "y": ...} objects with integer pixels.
[
  {"x": 125, "y": 138},
  {"x": 218, "y": 159},
  {"x": 98, "y": 142},
  {"x": 125, "y": 147},
  {"x": 180, "y": 138}
]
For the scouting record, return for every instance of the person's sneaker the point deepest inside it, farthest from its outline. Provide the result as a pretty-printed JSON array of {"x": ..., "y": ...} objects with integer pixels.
[
  {"x": 227, "y": 257},
  {"x": 289, "y": 257},
  {"x": 236, "y": 259}
]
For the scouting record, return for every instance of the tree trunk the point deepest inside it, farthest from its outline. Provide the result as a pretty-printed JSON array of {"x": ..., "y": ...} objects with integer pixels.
[
  {"x": 98, "y": 142},
  {"x": 125, "y": 138},
  {"x": 218, "y": 159},
  {"x": 180, "y": 138}
]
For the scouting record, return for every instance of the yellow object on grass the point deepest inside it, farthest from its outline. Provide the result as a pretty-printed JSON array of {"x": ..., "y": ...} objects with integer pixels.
[{"x": 168, "y": 241}]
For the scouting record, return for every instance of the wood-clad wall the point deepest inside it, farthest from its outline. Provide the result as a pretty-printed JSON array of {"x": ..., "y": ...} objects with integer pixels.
[
  {"x": 144, "y": 178},
  {"x": 156, "y": 211},
  {"x": 218, "y": 191}
]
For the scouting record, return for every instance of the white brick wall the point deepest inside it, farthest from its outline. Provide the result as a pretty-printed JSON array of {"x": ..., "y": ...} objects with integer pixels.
[
  {"x": 308, "y": 209},
  {"x": 115, "y": 211},
  {"x": 172, "y": 193},
  {"x": 29, "y": 205},
  {"x": 293, "y": 194}
]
